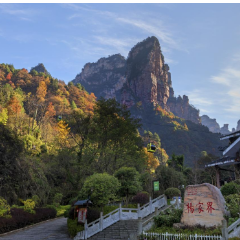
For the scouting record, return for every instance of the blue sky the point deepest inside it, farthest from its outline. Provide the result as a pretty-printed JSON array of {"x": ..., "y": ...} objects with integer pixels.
[{"x": 200, "y": 42}]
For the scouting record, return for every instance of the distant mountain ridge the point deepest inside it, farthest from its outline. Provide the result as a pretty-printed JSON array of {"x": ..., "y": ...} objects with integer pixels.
[
  {"x": 214, "y": 127},
  {"x": 143, "y": 83},
  {"x": 143, "y": 78}
]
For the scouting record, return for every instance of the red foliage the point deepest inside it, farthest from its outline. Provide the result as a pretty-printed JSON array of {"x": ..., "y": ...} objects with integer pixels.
[{"x": 20, "y": 218}]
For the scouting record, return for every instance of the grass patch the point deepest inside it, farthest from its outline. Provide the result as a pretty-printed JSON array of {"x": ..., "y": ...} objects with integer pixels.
[
  {"x": 74, "y": 227},
  {"x": 62, "y": 209}
]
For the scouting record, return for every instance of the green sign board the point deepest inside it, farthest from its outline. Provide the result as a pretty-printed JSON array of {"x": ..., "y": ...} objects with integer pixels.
[{"x": 156, "y": 186}]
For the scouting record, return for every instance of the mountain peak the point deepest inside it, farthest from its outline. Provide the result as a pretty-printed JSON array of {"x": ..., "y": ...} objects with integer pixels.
[{"x": 40, "y": 68}]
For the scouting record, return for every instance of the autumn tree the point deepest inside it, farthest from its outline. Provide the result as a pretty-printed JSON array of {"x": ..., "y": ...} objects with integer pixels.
[{"x": 41, "y": 91}]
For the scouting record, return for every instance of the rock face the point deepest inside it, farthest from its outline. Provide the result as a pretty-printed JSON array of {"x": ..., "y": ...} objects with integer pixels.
[
  {"x": 210, "y": 123},
  {"x": 224, "y": 130},
  {"x": 105, "y": 77},
  {"x": 180, "y": 107},
  {"x": 146, "y": 74},
  {"x": 143, "y": 78},
  {"x": 238, "y": 126},
  {"x": 203, "y": 205}
]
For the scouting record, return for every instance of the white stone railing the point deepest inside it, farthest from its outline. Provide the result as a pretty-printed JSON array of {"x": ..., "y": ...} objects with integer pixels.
[
  {"x": 234, "y": 229},
  {"x": 120, "y": 214}
]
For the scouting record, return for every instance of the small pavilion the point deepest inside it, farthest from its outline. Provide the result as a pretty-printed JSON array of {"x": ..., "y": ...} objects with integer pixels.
[{"x": 230, "y": 156}]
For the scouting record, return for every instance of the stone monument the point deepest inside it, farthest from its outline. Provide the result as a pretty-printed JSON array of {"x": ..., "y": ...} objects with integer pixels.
[{"x": 204, "y": 205}]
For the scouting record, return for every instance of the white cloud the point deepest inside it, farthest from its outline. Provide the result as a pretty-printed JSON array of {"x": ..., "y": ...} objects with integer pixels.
[
  {"x": 157, "y": 30},
  {"x": 14, "y": 10}
]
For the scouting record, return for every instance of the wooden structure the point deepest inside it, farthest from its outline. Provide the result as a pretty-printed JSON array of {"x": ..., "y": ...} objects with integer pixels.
[
  {"x": 81, "y": 204},
  {"x": 230, "y": 156}
]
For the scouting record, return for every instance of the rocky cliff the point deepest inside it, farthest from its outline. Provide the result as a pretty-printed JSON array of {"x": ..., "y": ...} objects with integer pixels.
[
  {"x": 210, "y": 123},
  {"x": 214, "y": 127},
  {"x": 105, "y": 77},
  {"x": 146, "y": 74},
  {"x": 143, "y": 78},
  {"x": 182, "y": 108}
]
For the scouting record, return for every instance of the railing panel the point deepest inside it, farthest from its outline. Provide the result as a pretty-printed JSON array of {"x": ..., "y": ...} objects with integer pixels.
[
  {"x": 129, "y": 214},
  {"x": 145, "y": 212},
  {"x": 93, "y": 229},
  {"x": 108, "y": 221}
]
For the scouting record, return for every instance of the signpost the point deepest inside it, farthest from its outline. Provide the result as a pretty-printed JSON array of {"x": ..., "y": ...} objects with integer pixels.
[{"x": 156, "y": 186}]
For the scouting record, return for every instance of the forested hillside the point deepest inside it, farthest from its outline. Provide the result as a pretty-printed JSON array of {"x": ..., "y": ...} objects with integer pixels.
[{"x": 53, "y": 136}]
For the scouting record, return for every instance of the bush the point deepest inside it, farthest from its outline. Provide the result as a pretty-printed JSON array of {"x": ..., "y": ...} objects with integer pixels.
[
  {"x": 36, "y": 199},
  {"x": 70, "y": 213},
  {"x": 4, "y": 208},
  {"x": 168, "y": 218},
  {"x": 141, "y": 198},
  {"x": 233, "y": 204},
  {"x": 29, "y": 206},
  {"x": 57, "y": 199},
  {"x": 230, "y": 188},
  {"x": 21, "y": 218},
  {"x": 92, "y": 215},
  {"x": 74, "y": 227},
  {"x": 172, "y": 192}
]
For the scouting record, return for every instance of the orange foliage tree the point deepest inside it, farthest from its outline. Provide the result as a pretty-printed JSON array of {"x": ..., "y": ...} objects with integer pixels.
[{"x": 41, "y": 91}]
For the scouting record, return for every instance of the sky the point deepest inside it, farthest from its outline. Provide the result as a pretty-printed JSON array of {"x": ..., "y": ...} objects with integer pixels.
[{"x": 200, "y": 43}]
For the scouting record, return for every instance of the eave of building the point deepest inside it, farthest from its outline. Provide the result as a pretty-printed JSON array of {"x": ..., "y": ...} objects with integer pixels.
[
  {"x": 222, "y": 162},
  {"x": 235, "y": 134},
  {"x": 233, "y": 148}
]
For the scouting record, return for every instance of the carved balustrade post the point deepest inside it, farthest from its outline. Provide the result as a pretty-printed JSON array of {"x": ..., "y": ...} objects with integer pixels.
[
  {"x": 224, "y": 230},
  {"x": 150, "y": 204},
  {"x": 86, "y": 230},
  {"x": 156, "y": 211},
  {"x": 138, "y": 210},
  {"x": 101, "y": 221},
  {"x": 140, "y": 227},
  {"x": 120, "y": 211}
]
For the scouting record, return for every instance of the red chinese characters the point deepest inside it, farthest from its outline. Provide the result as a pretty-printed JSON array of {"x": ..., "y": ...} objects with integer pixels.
[
  {"x": 200, "y": 208},
  {"x": 192, "y": 191},
  {"x": 190, "y": 208},
  {"x": 210, "y": 208}
]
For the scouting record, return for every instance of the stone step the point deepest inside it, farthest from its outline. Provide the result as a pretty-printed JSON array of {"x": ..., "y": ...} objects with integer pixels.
[{"x": 118, "y": 231}]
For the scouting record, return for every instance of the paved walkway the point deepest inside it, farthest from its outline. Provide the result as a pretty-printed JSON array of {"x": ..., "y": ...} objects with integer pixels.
[{"x": 54, "y": 229}]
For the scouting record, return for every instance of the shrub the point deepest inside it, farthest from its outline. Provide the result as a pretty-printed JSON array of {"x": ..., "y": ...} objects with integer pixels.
[
  {"x": 74, "y": 227},
  {"x": 36, "y": 199},
  {"x": 141, "y": 198},
  {"x": 171, "y": 192},
  {"x": 168, "y": 218},
  {"x": 230, "y": 188},
  {"x": 4, "y": 208},
  {"x": 92, "y": 214},
  {"x": 21, "y": 218},
  {"x": 70, "y": 213},
  {"x": 233, "y": 204},
  {"x": 29, "y": 206},
  {"x": 57, "y": 199}
]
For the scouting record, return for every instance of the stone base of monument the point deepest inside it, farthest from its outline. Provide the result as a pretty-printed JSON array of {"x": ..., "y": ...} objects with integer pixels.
[
  {"x": 204, "y": 205},
  {"x": 178, "y": 225}
]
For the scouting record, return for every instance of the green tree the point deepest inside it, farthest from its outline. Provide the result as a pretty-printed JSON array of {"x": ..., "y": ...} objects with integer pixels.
[
  {"x": 129, "y": 178},
  {"x": 101, "y": 187},
  {"x": 73, "y": 105},
  {"x": 115, "y": 135},
  {"x": 176, "y": 162},
  {"x": 169, "y": 177}
]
